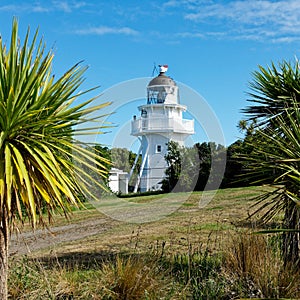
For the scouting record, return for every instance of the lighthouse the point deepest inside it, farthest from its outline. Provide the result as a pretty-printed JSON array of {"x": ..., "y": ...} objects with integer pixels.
[{"x": 160, "y": 121}]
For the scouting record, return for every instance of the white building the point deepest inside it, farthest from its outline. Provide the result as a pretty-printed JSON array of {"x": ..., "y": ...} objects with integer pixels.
[
  {"x": 160, "y": 121},
  {"x": 118, "y": 181}
]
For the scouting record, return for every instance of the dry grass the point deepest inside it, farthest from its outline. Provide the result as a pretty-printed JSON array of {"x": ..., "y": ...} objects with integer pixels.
[
  {"x": 222, "y": 215},
  {"x": 131, "y": 278},
  {"x": 125, "y": 261},
  {"x": 122, "y": 278},
  {"x": 254, "y": 260}
]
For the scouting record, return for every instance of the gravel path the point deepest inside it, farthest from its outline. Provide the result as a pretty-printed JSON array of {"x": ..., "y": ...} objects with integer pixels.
[{"x": 27, "y": 242}]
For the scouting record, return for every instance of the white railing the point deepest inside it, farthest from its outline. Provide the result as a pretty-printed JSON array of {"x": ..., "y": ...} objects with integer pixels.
[{"x": 161, "y": 124}]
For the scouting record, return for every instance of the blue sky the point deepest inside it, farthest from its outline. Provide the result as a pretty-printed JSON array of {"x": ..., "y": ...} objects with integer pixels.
[{"x": 210, "y": 46}]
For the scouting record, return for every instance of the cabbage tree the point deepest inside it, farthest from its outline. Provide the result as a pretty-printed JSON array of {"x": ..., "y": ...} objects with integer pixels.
[
  {"x": 39, "y": 153},
  {"x": 275, "y": 158}
]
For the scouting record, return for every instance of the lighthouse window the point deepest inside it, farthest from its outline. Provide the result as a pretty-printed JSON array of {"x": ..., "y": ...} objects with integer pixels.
[
  {"x": 158, "y": 148},
  {"x": 144, "y": 113},
  {"x": 161, "y": 97}
]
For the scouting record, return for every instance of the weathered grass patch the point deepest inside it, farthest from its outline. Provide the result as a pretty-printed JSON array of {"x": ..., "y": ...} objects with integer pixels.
[{"x": 193, "y": 253}]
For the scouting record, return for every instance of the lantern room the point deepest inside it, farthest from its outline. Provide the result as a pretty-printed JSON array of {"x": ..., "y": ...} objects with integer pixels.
[{"x": 162, "y": 89}]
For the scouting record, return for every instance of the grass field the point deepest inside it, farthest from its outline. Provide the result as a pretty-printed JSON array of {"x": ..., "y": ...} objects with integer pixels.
[
  {"x": 193, "y": 253},
  {"x": 225, "y": 213}
]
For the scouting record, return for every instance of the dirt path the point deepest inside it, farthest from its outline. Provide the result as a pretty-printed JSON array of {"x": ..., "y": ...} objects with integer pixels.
[
  {"x": 92, "y": 229},
  {"x": 27, "y": 242}
]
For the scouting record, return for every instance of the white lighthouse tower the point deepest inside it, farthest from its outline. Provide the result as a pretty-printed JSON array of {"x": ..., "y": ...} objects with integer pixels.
[{"x": 160, "y": 122}]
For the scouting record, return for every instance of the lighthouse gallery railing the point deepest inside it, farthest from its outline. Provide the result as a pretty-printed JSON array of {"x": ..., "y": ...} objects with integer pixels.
[{"x": 161, "y": 124}]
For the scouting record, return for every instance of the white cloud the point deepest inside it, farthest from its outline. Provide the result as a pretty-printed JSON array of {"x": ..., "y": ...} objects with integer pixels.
[
  {"x": 102, "y": 30},
  {"x": 68, "y": 6},
  {"x": 264, "y": 18},
  {"x": 190, "y": 35},
  {"x": 65, "y": 6},
  {"x": 10, "y": 7}
]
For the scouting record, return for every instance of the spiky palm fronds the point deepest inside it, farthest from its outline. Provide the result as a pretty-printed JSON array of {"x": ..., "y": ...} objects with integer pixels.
[
  {"x": 39, "y": 155},
  {"x": 273, "y": 90},
  {"x": 275, "y": 157}
]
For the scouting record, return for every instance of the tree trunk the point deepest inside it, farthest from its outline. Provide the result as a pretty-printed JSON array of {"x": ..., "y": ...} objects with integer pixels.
[
  {"x": 291, "y": 240},
  {"x": 3, "y": 254}
]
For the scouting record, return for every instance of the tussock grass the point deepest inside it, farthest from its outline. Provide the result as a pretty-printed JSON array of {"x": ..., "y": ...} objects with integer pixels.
[
  {"x": 123, "y": 277},
  {"x": 249, "y": 267},
  {"x": 193, "y": 254},
  {"x": 254, "y": 261},
  {"x": 132, "y": 278}
]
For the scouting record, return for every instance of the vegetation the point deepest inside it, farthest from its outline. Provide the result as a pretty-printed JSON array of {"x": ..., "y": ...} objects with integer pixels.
[
  {"x": 269, "y": 153},
  {"x": 249, "y": 267},
  {"x": 275, "y": 154},
  {"x": 207, "y": 253},
  {"x": 45, "y": 170},
  {"x": 123, "y": 159},
  {"x": 202, "y": 166},
  {"x": 39, "y": 155}
]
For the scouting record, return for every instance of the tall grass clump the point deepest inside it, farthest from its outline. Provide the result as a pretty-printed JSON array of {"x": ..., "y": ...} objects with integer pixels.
[
  {"x": 131, "y": 278},
  {"x": 246, "y": 265},
  {"x": 119, "y": 278},
  {"x": 199, "y": 272},
  {"x": 31, "y": 280},
  {"x": 254, "y": 262}
]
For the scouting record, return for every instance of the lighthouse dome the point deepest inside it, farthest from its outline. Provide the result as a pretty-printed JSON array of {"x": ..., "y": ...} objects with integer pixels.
[
  {"x": 162, "y": 79},
  {"x": 162, "y": 89}
]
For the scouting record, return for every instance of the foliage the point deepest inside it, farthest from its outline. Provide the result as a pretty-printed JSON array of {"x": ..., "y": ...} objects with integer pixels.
[
  {"x": 212, "y": 157},
  {"x": 276, "y": 159},
  {"x": 124, "y": 159},
  {"x": 276, "y": 152},
  {"x": 274, "y": 90},
  {"x": 204, "y": 152},
  {"x": 201, "y": 273},
  {"x": 39, "y": 124},
  {"x": 192, "y": 252},
  {"x": 131, "y": 278},
  {"x": 248, "y": 265},
  {"x": 191, "y": 168},
  {"x": 120, "y": 278},
  {"x": 119, "y": 158},
  {"x": 173, "y": 159},
  {"x": 236, "y": 167},
  {"x": 182, "y": 170}
]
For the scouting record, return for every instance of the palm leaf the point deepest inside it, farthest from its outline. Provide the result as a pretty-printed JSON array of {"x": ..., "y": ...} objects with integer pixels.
[{"x": 40, "y": 157}]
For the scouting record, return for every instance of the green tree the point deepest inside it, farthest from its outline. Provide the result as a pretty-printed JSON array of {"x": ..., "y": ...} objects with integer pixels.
[
  {"x": 39, "y": 154},
  {"x": 182, "y": 170},
  {"x": 173, "y": 159},
  {"x": 236, "y": 167},
  {"x": 275, "y": 156},
  {"x": 191, "y": 168},
  {"x": 217, "y": 164},
  {"x": 204, "y": 155},
  {"x": 210, "y": 174},
  {"x": 104, "y": 160},
  {"x": 122, "y": 158}
]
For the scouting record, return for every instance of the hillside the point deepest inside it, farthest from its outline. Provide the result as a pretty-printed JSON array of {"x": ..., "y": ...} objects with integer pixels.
[{"x": 91, "y": 231}]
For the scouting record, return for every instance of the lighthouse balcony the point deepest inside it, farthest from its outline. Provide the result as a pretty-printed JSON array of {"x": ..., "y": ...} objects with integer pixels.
[{"x": 161, "y": 125}]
